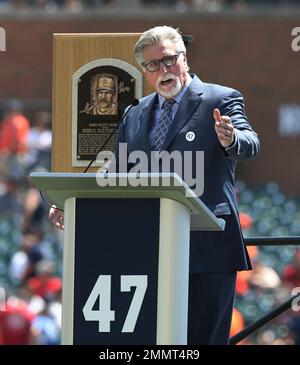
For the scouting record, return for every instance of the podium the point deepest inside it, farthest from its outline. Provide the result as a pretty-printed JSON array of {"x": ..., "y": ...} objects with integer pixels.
[{"x": 126, "y": 255}]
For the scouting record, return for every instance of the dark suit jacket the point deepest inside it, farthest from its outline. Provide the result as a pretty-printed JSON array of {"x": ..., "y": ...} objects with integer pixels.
[{"x": 210, "y": 251}]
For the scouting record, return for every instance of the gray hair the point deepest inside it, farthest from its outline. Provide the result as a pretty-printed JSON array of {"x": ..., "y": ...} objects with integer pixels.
[{"x": 157, "y": 35}]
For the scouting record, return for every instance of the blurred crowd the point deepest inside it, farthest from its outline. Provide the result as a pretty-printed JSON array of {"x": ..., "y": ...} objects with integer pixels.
[
  {"x": 266, "y": 212},
  {"x": 174, "y": 5},
  {"x": 31, "y": 248}
]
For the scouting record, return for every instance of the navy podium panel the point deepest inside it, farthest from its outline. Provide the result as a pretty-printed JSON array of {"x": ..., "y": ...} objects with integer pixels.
[{"x": 116, "y": 271}]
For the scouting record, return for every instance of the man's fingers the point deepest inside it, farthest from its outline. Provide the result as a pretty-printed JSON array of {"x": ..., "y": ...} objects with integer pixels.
[
  {"x": 223, "y": 123},
  {"x": 56, "y": 217},
  {"x": 225, "y": 120},
  {"x": 222, "y": 120},
  {"x": 224, "y": 128},
  {"x": 217, "y": 115},
  {"x": 60, "y": 225}
]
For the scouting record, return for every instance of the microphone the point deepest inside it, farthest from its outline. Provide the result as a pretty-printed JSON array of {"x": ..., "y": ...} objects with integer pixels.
[{"x": 134, "y": 103}]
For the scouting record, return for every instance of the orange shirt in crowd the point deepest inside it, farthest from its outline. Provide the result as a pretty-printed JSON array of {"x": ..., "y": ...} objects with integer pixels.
[
  {"x": 237, "y": 322},
  {"x": 14, "y": 131}
]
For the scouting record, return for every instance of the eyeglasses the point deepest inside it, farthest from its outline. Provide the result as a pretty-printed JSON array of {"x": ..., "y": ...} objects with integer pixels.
[{"x": 168, "y": 61}]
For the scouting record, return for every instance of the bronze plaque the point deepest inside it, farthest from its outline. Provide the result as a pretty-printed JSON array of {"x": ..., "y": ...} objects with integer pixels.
[{"x": 103, "y": 94}]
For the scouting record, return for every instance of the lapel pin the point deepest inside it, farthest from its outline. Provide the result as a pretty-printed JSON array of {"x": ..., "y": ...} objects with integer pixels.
[{"x": 190, "y": 136}]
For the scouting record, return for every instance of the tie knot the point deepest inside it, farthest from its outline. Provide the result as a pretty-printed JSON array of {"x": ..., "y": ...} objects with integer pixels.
[{"x": 168, "y": 104}]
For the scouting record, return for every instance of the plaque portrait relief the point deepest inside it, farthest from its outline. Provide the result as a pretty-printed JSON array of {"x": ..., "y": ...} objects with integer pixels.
[
  {"x": 104, "y": 95},
  {"x": 101, "y": 91}
]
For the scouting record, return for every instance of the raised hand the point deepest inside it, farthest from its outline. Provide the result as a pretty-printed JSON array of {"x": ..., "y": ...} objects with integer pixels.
[{"x": 224, "y": 128}]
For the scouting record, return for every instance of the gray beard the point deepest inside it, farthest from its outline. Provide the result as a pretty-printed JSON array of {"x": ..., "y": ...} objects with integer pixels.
[{"x": 168, "y": 95}]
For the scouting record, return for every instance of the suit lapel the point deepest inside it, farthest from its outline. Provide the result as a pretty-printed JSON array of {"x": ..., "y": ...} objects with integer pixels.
[
  {"x": 188, "y": 105},
  {"x": 141, "y": 140}
]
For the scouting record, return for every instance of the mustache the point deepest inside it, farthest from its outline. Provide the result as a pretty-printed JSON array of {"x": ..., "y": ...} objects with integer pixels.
[{"x": 166, "y": 77}]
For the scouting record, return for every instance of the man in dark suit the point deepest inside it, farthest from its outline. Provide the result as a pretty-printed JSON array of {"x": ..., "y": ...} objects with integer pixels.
[
  {"x": 186, "y": 114},
  {"x": 201, "y": 117}
]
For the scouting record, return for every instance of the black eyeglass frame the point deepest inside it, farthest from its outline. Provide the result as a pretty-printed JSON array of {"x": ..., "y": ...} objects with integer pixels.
[{"x": 173, "y": 57}]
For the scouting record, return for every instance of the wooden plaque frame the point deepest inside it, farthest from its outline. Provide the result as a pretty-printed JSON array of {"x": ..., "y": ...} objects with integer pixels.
[{"x": 71, "y": 51}]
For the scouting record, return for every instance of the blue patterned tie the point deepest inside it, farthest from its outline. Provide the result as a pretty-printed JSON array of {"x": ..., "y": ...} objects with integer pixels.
[{"x": 161, "y": 129}]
